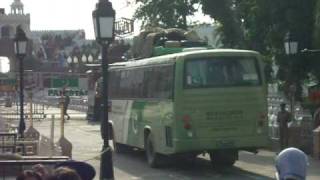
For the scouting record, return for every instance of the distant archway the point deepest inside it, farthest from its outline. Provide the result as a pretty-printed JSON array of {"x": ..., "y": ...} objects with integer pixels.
[
  {"x": 7, "y": 31},
  {"x": 4, "y": 64}
]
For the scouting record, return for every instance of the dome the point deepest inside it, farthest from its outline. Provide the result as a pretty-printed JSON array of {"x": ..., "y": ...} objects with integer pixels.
[
  {"x": 17, "y": 7},
  {"x": 17, "y": 3}
]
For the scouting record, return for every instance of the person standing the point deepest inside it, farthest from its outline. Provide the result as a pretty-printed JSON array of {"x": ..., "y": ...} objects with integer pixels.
[
  {"x": 316, "y": 118},
  {"x": 283, "y": 118},
  {"x": 65, "y": 106}
]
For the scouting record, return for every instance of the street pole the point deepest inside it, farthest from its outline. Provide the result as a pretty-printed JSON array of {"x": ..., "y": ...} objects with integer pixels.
[
  {"x": 20, "y": 48},
  {"x": 103, "y": 20},
  {"x": 22, "y": 125},
  {"x": 106, "y": 164},
  {"x": 292, "y": 100}
]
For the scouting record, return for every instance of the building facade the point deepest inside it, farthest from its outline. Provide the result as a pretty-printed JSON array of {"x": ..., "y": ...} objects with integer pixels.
[{"x": 8, "y": 25}]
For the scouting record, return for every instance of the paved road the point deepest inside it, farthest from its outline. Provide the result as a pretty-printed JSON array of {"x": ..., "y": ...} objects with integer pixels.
[{"x": 87, "y": 143}]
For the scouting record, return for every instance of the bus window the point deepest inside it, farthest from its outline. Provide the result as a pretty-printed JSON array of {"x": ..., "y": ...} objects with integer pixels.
[{"x": 221, "y": 72}]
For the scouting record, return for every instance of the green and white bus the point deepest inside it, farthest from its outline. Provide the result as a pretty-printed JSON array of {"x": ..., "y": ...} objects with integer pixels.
[{"x": 188, "y": 103}]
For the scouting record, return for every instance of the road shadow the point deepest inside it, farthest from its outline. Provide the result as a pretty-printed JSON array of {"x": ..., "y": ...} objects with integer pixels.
[
  {"x": 259, "y": 159},
  {"x": 134, "y": 163}
]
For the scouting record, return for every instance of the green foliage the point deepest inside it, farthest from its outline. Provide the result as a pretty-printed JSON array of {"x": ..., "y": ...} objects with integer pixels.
[
  {"x": 259, "y": 25},
  {"x": 226, "y": 13},
  {"x": 165, "y": 13}
]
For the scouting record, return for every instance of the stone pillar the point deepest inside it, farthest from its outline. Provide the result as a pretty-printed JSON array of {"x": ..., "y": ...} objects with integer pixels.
[
  {"x": 65, "y": 144},
  {"x": 316, "y": 143}
]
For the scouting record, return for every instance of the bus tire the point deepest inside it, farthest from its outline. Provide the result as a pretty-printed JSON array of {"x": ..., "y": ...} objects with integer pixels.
[
  {"x": 223, "y": 158},
  {"x": 153, "y": 158},
  {"x": 121, "y": 148}
]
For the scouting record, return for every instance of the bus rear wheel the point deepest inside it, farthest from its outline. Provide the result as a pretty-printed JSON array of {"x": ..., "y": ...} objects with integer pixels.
[
  {"x": 223, "y": 158},
  {"x": 153, "y": 158}
]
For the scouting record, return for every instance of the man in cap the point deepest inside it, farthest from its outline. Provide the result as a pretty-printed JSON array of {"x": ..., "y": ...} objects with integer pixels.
[
  {"x": 291, "y": 164},
  {"x": 283, "y": 118}
]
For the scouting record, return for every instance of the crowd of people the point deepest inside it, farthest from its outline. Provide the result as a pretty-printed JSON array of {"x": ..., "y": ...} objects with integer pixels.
[
  {"x": 69, "y": 170},
  {"x": 291, "y": 164}
]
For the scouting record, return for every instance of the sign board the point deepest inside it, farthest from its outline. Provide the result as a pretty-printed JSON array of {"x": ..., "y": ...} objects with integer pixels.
[
  {"x": 7, "y": 88},
  {"x": 61, "y": 83},
  {"x": 69, "y": 92},
  {"x": 7, "y": 84},
  {"x": 71, "y": 83},
  {"x": 124, "y": 26},
  {"x": 8, "y": 81}
]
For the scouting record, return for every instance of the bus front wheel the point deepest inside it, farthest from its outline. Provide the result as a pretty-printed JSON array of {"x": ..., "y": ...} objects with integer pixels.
[
  {"x": 153, "y": 158},
  {"x": 121, "y": 148},
  {"x": 223, "y": 158}
]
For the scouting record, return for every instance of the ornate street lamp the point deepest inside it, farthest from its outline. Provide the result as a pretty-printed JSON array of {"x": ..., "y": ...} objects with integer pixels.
[
  {"x": 103, "y": 20},
  {"x": 90, "y": 58},
  {"x": 290, "y": 44},
  {"x": 20, "y": 48},
  {"x": 69, "y": 60},
  {"x": 75, "y": 59},
  {"x": 84, "y": 59}
]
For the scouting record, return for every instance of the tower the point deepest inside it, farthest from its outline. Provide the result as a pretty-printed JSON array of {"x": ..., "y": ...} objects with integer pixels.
[
  {"x": 8, "y": 24},
  {"x": 17, "y": 7}
]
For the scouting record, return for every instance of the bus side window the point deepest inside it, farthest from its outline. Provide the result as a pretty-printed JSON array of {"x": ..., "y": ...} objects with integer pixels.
[
  {"x": 167, "y": 82},
  {"x": 136, "y": 76},
  {"x": 149, "y": 81}
]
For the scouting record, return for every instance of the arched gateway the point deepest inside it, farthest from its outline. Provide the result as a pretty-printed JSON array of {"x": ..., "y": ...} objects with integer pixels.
[{"x": 8, "y": 24}]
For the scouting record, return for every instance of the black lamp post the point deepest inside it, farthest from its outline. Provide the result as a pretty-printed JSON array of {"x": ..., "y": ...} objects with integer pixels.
[
  {"x": 103, "y": 20},
  {"x": 291, "y": 46},
  {"x": 73, "y": 62},
  {"x": 70, "y": 63},
  {"x": 20, "y": 48}
]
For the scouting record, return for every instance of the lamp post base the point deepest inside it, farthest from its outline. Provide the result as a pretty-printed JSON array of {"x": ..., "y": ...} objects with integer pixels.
[{"x": 106, "y": 166}]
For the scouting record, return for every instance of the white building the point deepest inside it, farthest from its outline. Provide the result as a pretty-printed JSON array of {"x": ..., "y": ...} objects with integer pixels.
[
  {"x": 9, "y": 22},
  {"x": 209, "y": 33}
]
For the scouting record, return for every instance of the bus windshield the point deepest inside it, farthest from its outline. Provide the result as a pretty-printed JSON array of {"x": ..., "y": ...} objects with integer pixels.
[{"x": 222, "y": 72}]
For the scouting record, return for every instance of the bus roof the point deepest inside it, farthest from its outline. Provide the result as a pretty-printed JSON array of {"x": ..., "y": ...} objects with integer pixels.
[{"x": 171, "y": 58}]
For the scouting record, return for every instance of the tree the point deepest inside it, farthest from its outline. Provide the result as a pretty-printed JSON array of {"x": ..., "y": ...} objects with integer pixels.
[
  {"x": 225, "y": 13},
  {"x": 165, "y": 13},
  {"x": 261, "y": 25}
]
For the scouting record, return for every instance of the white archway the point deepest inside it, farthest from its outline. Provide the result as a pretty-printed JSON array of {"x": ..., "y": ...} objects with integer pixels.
[{"x": 4, "y": 64}]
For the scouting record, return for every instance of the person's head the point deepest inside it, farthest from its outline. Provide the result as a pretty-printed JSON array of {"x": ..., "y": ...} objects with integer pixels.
[
  {"x": 29, "y": 175},
  {"x": 291, "y": 164},
  {"x": 283, "y": 106},
  {"x": 64, "y": 173},
  {"x": 41, "y": 170},
  {"x": 85, "y": 170}
]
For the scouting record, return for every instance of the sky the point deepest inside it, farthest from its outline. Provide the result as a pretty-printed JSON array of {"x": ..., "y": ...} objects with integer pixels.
[
  {"x": 71, "y": 14},
  {"x": 65, "y": 14}
]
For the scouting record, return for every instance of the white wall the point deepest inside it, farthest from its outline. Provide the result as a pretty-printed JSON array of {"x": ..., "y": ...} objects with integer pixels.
[{"x": 4, "y": 64}]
